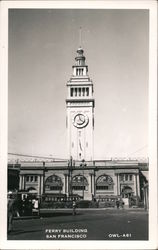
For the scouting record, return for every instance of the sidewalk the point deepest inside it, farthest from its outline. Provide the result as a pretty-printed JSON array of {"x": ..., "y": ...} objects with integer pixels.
[{"x": 49, "y": 211}]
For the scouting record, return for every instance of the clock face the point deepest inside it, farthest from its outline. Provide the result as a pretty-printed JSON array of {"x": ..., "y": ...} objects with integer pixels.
[{"x": 80, "y": 120}]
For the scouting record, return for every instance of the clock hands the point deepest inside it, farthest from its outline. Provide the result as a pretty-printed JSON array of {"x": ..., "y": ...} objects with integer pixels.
[
  {"x": 80, "y": 120},
  {"x": 80, "y": 145}
]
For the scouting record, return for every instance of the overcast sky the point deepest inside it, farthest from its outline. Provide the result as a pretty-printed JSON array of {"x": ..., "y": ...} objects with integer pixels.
[{"x": 42, "y": 50}]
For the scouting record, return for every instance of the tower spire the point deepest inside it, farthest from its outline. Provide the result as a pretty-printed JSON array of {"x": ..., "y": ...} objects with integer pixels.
[{"x": 80, "y": 36}]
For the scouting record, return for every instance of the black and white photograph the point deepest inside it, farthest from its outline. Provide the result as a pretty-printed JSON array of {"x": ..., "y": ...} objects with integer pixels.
[{"x": 78, "y": 148}]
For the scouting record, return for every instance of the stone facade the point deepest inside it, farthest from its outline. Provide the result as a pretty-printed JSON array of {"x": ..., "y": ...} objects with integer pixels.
[{"x": 88, "y": 180}]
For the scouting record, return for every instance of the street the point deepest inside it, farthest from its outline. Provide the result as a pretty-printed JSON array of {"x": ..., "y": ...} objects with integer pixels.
[{"x": 105, "y": 224}]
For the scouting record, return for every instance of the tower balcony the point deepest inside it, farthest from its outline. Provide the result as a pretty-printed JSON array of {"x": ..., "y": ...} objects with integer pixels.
[{"x": 88, "y": 102}]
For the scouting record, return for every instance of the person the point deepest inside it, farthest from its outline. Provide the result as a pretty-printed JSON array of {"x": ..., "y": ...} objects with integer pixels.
[
  {"x": 74, "y": 208},
  {"x": 18, "y": 206},
  {"x": 30, "y": 206},
  {"x": 27, "y": 206},
  {"x": 10, "y": 207},
  {"x": 36, "y": 206},
  {"x": 122, "y": 205},
  {"x": 117, "y": 204},
  {"x": 23, "y": 207}
]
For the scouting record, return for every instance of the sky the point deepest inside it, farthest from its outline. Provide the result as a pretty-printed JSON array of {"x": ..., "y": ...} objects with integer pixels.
[{"x": 42, "y": 50}]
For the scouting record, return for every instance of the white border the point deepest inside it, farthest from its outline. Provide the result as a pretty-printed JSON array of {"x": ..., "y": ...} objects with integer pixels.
[{"x": 140, "y": 4}]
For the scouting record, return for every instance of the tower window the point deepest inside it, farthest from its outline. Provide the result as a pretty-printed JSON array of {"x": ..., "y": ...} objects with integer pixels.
[
  {"x": 83, "y": 91},
  {"x": 79, "y": 91},
  {"x": 87, "y": 91},
  {"x": 75, "y": 91},
  {"x": 71, "y": 91}
]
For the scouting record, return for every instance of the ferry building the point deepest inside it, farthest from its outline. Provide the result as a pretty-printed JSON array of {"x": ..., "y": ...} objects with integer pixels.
[{"x": 81, "y": 175}]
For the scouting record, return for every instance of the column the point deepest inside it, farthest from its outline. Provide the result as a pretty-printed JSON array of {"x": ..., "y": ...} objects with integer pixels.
[
  {"x": 41, "y": 185},
  {"x": 43, "y": 191},
  {"x": 23, "y": 184},
  {"x": 24, "y": 181},
  {"x": 138, "y": 185},
  {"x": 117, "y": 184},
  {"x": 135, "y": 192},
  {"x": 89, "y": 186},
  {"x": 20, "y": 182},
  {"x": 66, "y": 184},
  {"x": 94, "y": 185}
]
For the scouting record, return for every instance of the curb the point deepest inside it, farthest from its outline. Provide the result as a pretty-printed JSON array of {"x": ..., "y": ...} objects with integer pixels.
[{"x": 26, "y": 217}]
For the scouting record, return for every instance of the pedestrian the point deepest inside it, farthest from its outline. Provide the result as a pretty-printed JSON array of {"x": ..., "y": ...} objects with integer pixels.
[
  {"x": 18, "y": 206},
  {"x": 36, "y": 206},
  {"x": 122, "y": 205},
  {"x": 10, "y": 207},
  {"x": 30, "y": 206},
  {"x": 23, "y": 207},
  {"x": 117, "y": 204},
  {"x": 74, "y": 208}
]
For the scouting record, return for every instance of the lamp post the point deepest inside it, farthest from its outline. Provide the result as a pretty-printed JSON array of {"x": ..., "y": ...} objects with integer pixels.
[
  {"x": 70, "y": 166},
  {"x": 83, "y": 164}
]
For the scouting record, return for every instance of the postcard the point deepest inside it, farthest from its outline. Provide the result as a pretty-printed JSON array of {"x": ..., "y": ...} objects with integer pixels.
[{"x": 78, "y": 134}]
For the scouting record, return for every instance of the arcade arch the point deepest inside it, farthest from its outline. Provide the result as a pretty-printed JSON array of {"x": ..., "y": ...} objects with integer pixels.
[
  {"x": 53, "y": 183},
  {"x": 104, "y": 182},
  {"x": 79, "y": 182}
]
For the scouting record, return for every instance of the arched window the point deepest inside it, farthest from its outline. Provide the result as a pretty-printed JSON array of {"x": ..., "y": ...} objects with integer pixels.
[
  {"x": 104, "y": 182},
  {"x": 126, "y": 191},
  {"x": 53, "y": 183},
  {"x": 79, "y": 182}
]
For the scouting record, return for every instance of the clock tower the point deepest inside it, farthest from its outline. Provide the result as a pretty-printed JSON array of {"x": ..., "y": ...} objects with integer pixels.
[{"x": 80, "y": 111}]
